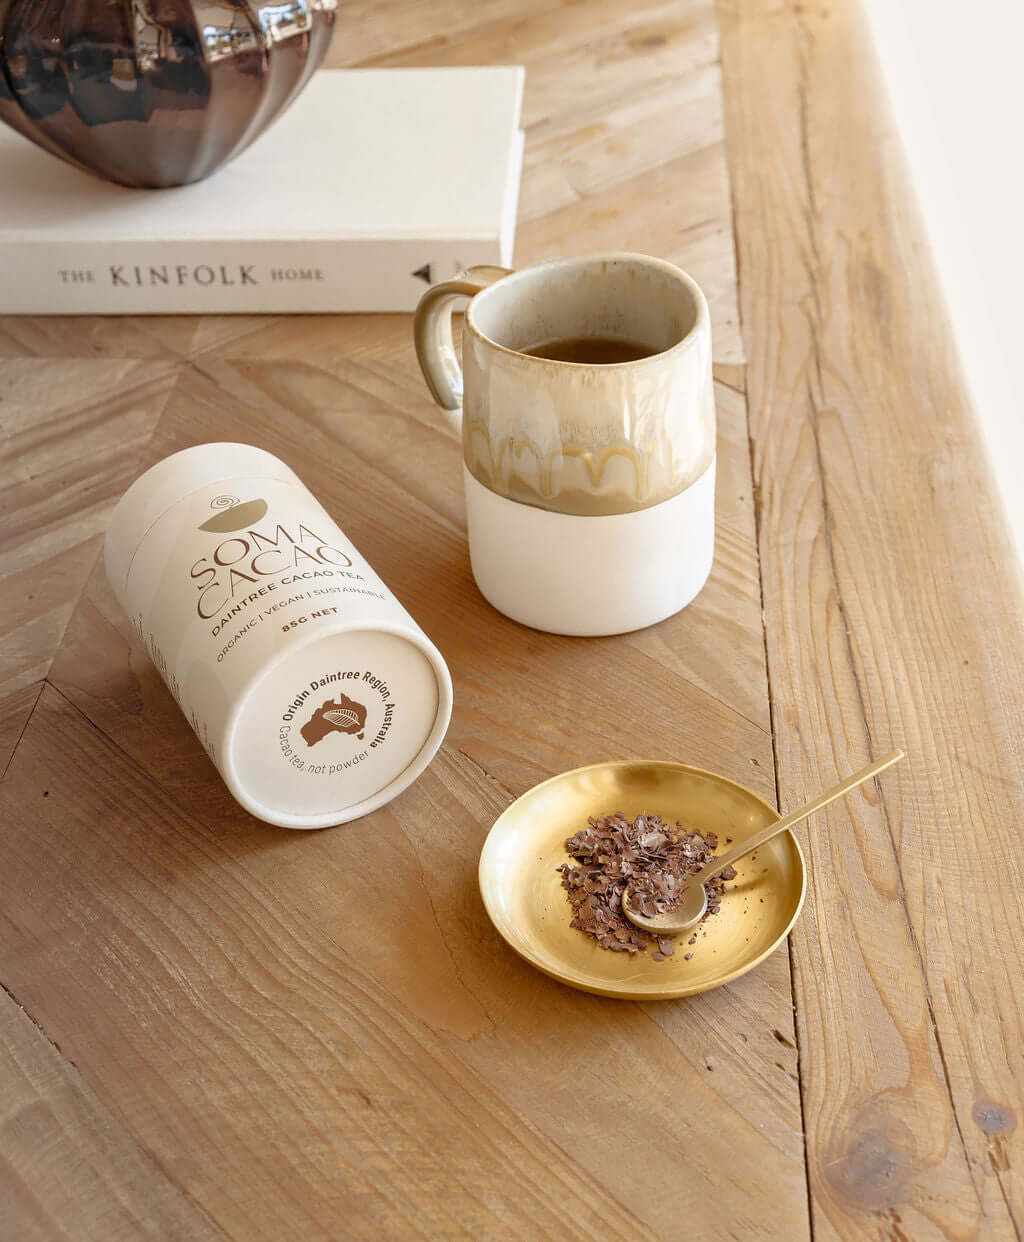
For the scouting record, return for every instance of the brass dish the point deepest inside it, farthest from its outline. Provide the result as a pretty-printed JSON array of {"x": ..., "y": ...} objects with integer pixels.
[{"x": 522, "y": 891}]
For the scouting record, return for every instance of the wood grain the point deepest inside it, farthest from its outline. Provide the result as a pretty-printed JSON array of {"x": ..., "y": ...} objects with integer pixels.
[
  {"x": 70, "y": 1169},
  {"x": 299, "y": 1069},
  {"x": 623, "y": 106},
  {"x": 293, "y": 1069},
  {"x": 70, "y": 437},
  {"x": 143, "y": 337},
  {"x": 893, "y": 614},
  {"x": 233, "y": 1046}
]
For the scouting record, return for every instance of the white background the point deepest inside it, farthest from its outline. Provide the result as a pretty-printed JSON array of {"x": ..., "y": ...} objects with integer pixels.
[{"x": 955, "y": 74}]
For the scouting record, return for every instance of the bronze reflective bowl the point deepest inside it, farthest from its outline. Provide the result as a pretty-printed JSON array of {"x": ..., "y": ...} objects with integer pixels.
[
  {"x": 154, "y": 92},
  {"x": 522, "y": 890}
]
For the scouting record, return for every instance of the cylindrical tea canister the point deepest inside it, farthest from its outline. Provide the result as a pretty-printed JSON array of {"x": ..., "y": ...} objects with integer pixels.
[{"x": 313, "y": 691}]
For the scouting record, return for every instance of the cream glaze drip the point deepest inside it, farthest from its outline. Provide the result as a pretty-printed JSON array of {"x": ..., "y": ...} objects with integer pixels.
[{"x": 589, "y": 493}]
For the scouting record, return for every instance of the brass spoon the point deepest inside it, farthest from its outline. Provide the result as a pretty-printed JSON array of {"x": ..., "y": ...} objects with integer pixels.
[{"x": 693, "y": 901}]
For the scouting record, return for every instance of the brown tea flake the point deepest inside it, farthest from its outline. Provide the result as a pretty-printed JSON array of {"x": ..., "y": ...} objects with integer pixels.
[{"x": 647, "y": 854}]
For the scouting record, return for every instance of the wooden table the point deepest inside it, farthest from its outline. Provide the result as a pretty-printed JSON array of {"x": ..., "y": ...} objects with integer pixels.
[{"x": 203, "y": 1038}]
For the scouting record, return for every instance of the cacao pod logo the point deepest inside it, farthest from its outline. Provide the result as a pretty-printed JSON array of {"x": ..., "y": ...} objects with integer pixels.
[{"x": 342, "y": 716}]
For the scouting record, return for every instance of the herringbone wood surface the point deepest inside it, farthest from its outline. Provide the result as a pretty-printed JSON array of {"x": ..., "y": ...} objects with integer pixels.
[{"x": 205, "y": 1038}]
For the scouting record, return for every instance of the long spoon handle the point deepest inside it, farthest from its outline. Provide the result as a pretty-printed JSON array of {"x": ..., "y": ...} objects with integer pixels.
[{"x": 794, "y": 817}]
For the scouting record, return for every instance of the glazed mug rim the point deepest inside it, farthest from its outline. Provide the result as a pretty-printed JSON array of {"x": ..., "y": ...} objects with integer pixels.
[{"x": 518, "y": 276}]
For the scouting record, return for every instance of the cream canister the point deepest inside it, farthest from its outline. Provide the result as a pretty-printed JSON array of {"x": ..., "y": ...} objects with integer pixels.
[{"x": 313, "y": 691}]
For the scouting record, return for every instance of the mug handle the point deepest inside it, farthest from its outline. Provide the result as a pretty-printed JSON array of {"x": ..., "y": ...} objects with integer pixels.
[{"x": 432, "y": 330}]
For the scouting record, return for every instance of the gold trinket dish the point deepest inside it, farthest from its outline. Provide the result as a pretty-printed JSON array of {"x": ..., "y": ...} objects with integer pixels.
[{"x": 522, "y": 891}]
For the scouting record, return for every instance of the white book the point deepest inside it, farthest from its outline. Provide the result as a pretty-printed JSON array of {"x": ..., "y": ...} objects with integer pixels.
[{"x": 374, "y": 184}]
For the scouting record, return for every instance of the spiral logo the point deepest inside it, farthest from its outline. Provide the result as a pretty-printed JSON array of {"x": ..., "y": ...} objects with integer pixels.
[{"x": 223, "y": 502}]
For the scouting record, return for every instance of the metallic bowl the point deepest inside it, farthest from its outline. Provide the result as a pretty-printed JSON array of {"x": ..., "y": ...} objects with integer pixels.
[
  {"x": 522, "y": 890},
  {"x": 154, "y": 92}
]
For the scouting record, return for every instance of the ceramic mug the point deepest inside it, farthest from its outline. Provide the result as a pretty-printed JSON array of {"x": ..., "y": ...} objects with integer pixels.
[{"x": 590, "y": 487}]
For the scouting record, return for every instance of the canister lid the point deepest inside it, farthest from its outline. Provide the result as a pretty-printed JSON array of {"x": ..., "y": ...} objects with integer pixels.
[
  {"x": 171, "y": 480},
  {"x": 315, "y": 693},
  {"x": 335, "y": 727}
]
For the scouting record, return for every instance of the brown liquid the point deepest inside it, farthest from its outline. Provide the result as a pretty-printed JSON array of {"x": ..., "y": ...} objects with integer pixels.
[{"x": 593, "y": 350}]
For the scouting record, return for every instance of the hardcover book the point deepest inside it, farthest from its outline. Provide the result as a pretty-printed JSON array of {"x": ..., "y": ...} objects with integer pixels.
[{"x": 373, "y": 185}]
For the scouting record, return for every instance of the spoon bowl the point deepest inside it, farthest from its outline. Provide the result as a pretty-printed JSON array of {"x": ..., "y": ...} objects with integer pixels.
[{"x": 688, "y": 912}]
